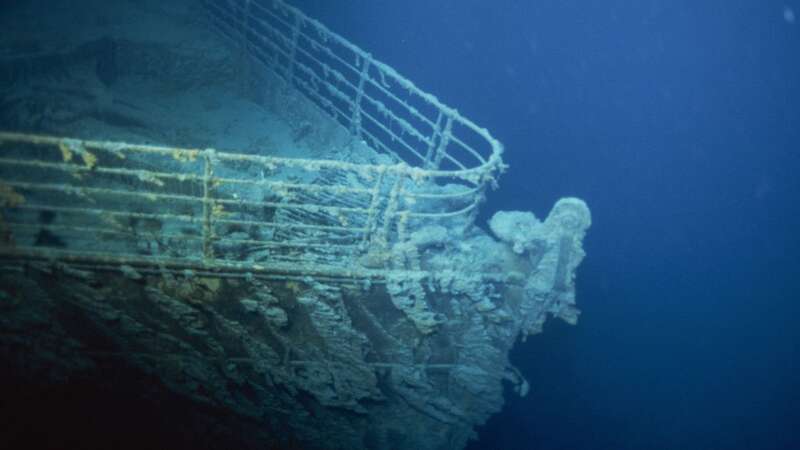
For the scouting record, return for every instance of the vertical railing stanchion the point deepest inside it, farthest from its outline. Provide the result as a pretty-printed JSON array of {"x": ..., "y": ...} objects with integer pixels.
[
  {"x": 437, "y": 131},
  {"x": 208, "y": 206},
  {"x": 443, "y": 143},
  {"x": 391, "y": 209},
  {"x": 372, "y": 213},
  {"x": 355, "y": 121}
]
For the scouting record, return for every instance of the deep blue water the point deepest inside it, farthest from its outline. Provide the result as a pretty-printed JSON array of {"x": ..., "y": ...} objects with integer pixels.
[{"x": 678, "y": 121}]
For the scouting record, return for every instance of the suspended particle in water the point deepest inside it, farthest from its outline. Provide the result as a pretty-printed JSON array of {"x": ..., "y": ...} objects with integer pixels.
[{"x": 788, "y": 15}]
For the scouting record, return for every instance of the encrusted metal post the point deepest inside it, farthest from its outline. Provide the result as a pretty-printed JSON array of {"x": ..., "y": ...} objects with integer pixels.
[
  {"x": 437, "y": 131},
  {"x": 355, "y": 121},
  {"x": 391, "y": 207},
  {"x": 372, "y": 215},
  {"x": 208, "y": 205},
  {"x": 443, "y": 143}
]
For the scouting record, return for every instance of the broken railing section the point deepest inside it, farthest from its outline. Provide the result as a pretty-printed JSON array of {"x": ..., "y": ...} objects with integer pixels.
[
  {"x": 141, "y": 204},
  {"x": 366, "y": 96}
]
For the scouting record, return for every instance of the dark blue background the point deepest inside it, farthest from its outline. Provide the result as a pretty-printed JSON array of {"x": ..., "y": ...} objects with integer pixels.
[{"x": 678, "y": 121}]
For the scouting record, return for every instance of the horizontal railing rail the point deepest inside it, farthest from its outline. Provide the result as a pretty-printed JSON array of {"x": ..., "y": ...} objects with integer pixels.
[
  {"x": 145, "y": 204},
  {"x": 366, "y": 96}
]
